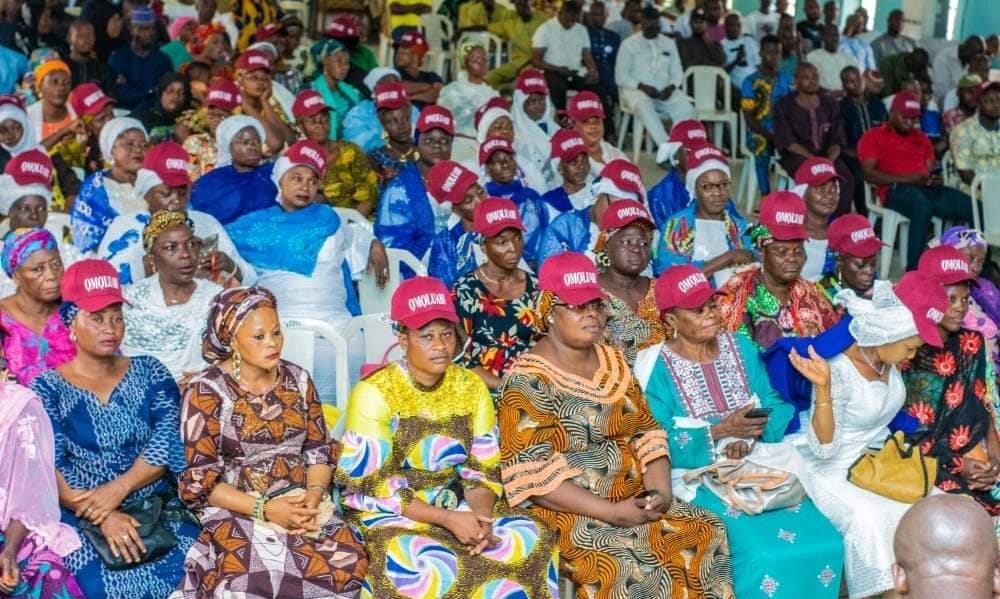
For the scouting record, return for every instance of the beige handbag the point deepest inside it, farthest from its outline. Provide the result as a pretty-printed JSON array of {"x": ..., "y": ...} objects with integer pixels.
[{"x": 748, "y": 486}]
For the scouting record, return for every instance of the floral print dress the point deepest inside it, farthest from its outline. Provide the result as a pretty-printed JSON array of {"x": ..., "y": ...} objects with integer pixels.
[{"x": 499, "y": 329}]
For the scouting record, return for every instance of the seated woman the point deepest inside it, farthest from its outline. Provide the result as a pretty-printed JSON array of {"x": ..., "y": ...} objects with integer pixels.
[
  {"x": 221, "y": 99},
  {"x": 457, "y": 250},
  {"x": 16, "y": 133},
  {"x": 950, "y": 391},
  {"x": 362, "y": 125},
  {"x": 241, "y": 182},
  {"x": 118, "y": 445},
  {"x": 34, "y": 337},
  {"x": 856, "y": 392},
  {"x": 95, "y": 110},
  {"x": 349, "y": 180},
  {"x": 856, "y": 246},
  {"x": 672, "y": 194},
  {"x": 339, "y": 96},
  {"x": 818, "y": 183},
  {"x": 261, "y": 491},
  {"x": 495, "y": 301},
  {"x": 707, "y": 377},
  {"x": 110, "y": 192},
  {"x": 622, "y": 255},
  {"x": 587, "y": 113},
  {"x": 164, "y": 185},
  {"x": 48, "y": 124},
  {"x": 469, "y": 91},
  {"x": 497, "y": 158},
  {"x": 427, "y": 497},
  {"x": 33, "y": 542},
  {"x": 407, "y": 218},
  {"x": 571, "y": 161},
  {"x": 394, "y": 114},
  {"x": 173, "y": 98},
  {"x": 534, "y": 123},
  {"x": 264, "y": 99},
  {"x": 772, "y": 301},
  {"x": 302, "y": 252},
  {"x": 577, "y": 230},
  {"x": 493, "y": 119},
  {"x": 165, "y": 314},
  {"x": 581, "y": 449},
  {"x": 709, "y": 232}
]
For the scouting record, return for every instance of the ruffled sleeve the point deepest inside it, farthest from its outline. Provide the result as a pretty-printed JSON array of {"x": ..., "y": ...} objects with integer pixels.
[{"x": 839, "y": 394}]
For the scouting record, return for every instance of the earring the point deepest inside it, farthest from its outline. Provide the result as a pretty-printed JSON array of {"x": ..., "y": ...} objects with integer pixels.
[
  {"x": 72, "y": 336},
  {"x": 674, "y": 336},
  {"x": 237, "y": 363},
  {"x": 550, "y": 319}
]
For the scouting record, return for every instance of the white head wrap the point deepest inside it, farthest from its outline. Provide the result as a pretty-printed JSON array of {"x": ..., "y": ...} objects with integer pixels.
[
  {"x": 375, "y": 75},
  {"x": 11, "y": 192},
  {"x": 487, "y": 119},
  {"x": 800, "y": 190},
  {"x": 114, "y": 129},
  {"x": 882, "y": 320},
  {"x": 27, "y": 141},
  {"x": 265, "y": 47},
  {"x": 709, "y": 165},
  {"x": 606, "y": 185},
  {"x": 145, "y": 180},
  {"x": 528, "y": 132},
  {"x": 228, "y": 129}
]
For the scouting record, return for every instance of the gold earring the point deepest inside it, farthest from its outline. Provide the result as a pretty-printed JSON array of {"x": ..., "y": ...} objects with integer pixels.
[
  {"x": 237, "y": 363},
  {"x": 674, "y": 336}
]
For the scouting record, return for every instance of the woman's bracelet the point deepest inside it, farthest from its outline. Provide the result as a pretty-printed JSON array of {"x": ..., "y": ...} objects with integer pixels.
[
  {"x": 259, "y": 508},
  {"x": 317, "y": 487},
  {"x": 822, "y": 404}
]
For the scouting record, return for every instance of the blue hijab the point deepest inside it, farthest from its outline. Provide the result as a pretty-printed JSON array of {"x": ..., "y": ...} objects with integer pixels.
[
  {"x": 227, "y": 194},
  {"x": 276, "y": 239}
]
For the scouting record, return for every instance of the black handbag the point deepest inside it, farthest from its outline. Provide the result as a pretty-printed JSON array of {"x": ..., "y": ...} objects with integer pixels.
[{"x": 157, "y": 538}]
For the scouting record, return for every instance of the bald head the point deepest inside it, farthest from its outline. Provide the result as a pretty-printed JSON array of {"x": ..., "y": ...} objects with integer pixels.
[{"x": 945, "y": 547}]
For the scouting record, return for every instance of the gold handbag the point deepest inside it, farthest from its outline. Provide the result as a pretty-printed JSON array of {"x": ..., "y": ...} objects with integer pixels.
[{"x": 898, "y": 471}]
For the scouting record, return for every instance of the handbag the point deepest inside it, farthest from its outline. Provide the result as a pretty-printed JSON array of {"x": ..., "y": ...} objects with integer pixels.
[
  {"x": 898, "y": 471},
  {"x": 370, "y": 368},
  {"x": 157, "y": 538},
  {"x": 749, "y": 486}
]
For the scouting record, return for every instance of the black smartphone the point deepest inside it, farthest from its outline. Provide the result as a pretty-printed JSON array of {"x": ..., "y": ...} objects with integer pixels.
[{"x": 758, "y": 413}]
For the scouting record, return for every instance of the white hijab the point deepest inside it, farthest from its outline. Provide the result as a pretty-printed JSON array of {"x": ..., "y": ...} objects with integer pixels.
[
  {"x": 114, "y": 129},
  {"x": 881, "y": 320},
  {"x": 28, "y": 139},
  {"x": 228, "y": 129},
  {"x": 528, "y": 132}
]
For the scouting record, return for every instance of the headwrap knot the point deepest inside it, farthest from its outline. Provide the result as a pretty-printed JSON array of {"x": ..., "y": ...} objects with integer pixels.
[
  {"x": 20, "y": 244},
  {"x": 229, "y": 309}
]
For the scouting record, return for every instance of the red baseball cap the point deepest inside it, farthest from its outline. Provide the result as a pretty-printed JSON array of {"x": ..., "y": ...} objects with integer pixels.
[
  {"x": 625, "y": 176},
  {"x": 623, "y": 213},
  {"x": 853, "y": 235},
  {"x": 567, "y": 144},
  {"x": 572, "y": 277},
  {"x": 412, "y": 38},
  {"x": 683, "y": 286},
  {"x": 436, "y": 117},
  {"x": 170, "y": 163},
  {"x": 907, "y": 104},
  {"x": 449, "y": 181},
  {"x": 223, "y": 94},
  {"x": 88, "y": 98},
  {"x": 253, "y": 60},
  {"x": 816, "y": 171},
  {"x": 31, "y": 167},
  {"x": 307, "y": 153},
  {"x": 927, "y": 301},
  {"x": 700, "y": 152},
  {"x": 391, "y": 95},
  {"x": 945, "y": 264},
  {"x": 532, "y": 81},
  {"x": 92, "y": 285},
  {"x": 494, "y": 102},
  {"x": 492, "y": 146},
  {"x": 343, "y": 26},
  {"x": 986, "y": 86},
  {"x": 495, "y": 215},
  {"x": 421, "y": 300},
  {"x": 585, "y": 105},
  {"x": 266, "y": 32},
  {"x": 308, "y": 103},
  {"x": 688, "y": 131},
  {"x": 784, "y": 215}
]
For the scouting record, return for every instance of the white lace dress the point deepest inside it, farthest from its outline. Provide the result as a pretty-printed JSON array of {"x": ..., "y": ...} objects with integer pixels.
[{"x": 861, "y": 410}]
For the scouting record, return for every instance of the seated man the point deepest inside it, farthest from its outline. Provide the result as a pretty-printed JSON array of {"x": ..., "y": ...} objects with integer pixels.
[
  {"x": 604, "y": 45},
  {"x": 561, "y": 48},
  {"x": 742, "y": 52},
  {"x": 975, "y": 142},
  {"x": 698, "y": 49},
  {"x": 422, "y": 87},
  {"x": 517, "y": 28},
  {"x": 811, "y": 28},
  {"x": 860, "y": 111},
  {"x": 648, "y": 71},
  {"x": 968, "y": 89},
  {"x": 899, "y": 67},
  {"x": 899, "y": 159},
  {"x": 830, "y": 61},
  {"x": 893, "y": 41}
]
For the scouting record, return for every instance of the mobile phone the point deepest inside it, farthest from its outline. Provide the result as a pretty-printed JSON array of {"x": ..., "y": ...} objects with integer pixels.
[{"x": 758, "y": 413}]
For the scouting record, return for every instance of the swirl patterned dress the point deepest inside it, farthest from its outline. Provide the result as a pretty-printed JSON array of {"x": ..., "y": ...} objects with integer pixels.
[
  {"x": 402, "y": 444},
  {"x": 631, "y": 331},
  {"x": 598, "y": 433}
]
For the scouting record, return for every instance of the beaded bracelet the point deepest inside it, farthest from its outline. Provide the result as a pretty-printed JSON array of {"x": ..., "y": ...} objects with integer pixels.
[{"x": 259, "y": 507}]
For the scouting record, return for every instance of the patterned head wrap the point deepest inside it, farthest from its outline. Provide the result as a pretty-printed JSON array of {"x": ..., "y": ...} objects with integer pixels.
[
  {"x": 67, "y": 312},
  {"x": 201, "y": 36},
  {"x": 601, "y": 258},
  {"x": 227, "y": 313},
  {"x": 543, "y": 307},
  {"x": 20, "y": 244},
  {"x": 760, "y": 235},
  {"x": 160, "y": 221},
  {"x": 47, "y": 68},
  {"x": 322, "y": 49},
  {"x": 960, "y": 237}
]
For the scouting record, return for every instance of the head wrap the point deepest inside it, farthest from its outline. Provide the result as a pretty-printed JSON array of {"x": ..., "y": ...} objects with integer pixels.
[
  {"x": 228, "y": 129},
  {"x": 160, "y": 221},
  {"x": 179, "y": 23},
  {"x": 543, "y": 307},
  {"x": 465, "y": 48},
  {"x": 201, "y": 36},
  {"x": 11, "y": 192},
  {"x": 46, "y": 68},
  {"x": 760, "y": 235},
  {"x": 377, "y": 74},
  {"x": 691, "y": 179},
  {"x": 13, "y": 112},
  {"x": 265, "y": 47},
  {"x": 488, "y": 118},
  {"x": 113, "y": 130},
  {"x": 20, "y": 244},
  {"x": 606, "y": 185},
  {"x": 960, "y": 237},
  {"x": 882, "y": 320},
  {"x": 67, "y": 312},
  {"x": 228, "y": 311},
  {"x": 321, "y": 50}
]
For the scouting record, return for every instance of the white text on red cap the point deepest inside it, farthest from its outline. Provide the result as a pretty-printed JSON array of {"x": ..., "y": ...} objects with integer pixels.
[
  {"x": 387, "y": 95},
  {"x": 93, "y": 98},
  {"x": 862, "y": 234},
  {"x": 691, "y": 281},
  {"x": 452, "y": 179},
  {"x": 36, "y": 168},
  {"x": 177, "y": 164},
  {"x": 631, "y": 176},
  {"x": 257, "y": 59},
  {"x": 218, "y": 94},
  {"x": 935, "y": 315},
  {"x": 588, "y": 105},
  {"x": 571, "y": 143},
  {"x": 427, "y": 300},
  {"x": 631, "y": 211},
  {"x": 954, "y": 265},
  {"x": 501, "y": 214},
  {"x": 912, "y": 105},
  {"x": 789, "y": 218},
  {"x": 822, "y": 168},
  {"x": 696, "y": 134},
  {"x": 311, "y": 154},
  {"x": 707, "y": 151},
  {"x": 312, "y": 101},
  {"x": 495, "y": 144},
  {"x": 534, "y": 82},
  {"x": 437, "y": 117},
  {"x": 577, "y": 279},
  {"x": 100, "y": 282}
]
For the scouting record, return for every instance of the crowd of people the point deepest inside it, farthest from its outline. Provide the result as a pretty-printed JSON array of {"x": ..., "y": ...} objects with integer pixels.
[{"x": 587, "y": 355}]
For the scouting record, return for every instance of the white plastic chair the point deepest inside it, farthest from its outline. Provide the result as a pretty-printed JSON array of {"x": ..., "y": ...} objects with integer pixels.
[
  {"x": 894, "y": 225},
  {"x": 782, "y": 180},
  {"x": 438, "y": 30},
  {"x": 384, "y": 50},
  {"x": 625, "y": 118},
  {"x": 352, "y": 216},
  {"x": 949, "y": 173},
  {"x": 700, "y": 83},
  {"x": 748, "y": 188},
  {"x": 57, "y": 223},
  {"x": 985, "y": 190},
  {"x": 377, "y": 334},
  {"x": 374, "y": 300},
  {"x": 496, "y": 49},
  {"x": 300, "y": 348}
]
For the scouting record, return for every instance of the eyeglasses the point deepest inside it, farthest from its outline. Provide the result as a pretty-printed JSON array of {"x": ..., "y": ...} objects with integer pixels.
[
  {"x": 721, "y": 187},
  {"x": 597, "y": 306}
]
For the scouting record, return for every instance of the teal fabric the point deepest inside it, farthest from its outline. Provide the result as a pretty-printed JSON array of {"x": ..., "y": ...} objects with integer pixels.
[{"x": 341, "y": 100}]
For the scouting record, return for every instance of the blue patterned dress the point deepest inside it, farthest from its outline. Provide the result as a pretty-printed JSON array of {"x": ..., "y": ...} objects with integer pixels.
[{"x": 95, "y": 443}]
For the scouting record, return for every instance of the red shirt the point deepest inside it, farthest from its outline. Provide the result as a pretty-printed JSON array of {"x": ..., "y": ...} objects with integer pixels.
[{"x": 895, "y": 154}]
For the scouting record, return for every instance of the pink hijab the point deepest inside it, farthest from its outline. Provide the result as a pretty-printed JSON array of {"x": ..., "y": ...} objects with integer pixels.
[{"x": 28, "y": 490}]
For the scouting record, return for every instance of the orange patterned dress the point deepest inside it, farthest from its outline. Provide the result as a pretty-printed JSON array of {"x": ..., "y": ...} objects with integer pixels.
[
  {"x": 632, "y": 331},
  {"x": 598, "y": 433}
]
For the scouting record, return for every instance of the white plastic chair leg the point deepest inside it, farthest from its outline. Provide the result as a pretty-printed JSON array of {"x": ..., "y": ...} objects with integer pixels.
[
  {"x": 623, "y": 124},
  {"x": 890, "y": 224},
  {"x": 637, "y": 133}
]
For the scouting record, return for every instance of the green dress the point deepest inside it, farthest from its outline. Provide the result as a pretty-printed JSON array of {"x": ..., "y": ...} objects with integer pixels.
[{"x": 794, "y": 552}]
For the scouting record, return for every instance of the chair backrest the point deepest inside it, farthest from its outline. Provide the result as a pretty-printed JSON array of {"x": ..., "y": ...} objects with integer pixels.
[
  {"x": 700, "y": 82},
  {"x": 378, "y": 336},
  {"x": 496, "y": 48},
  {"x": 948, "y": 171},
  {"x": 374, "y": 300},
  {"x": 438, "y": 30},
  {"x": 384, "y": 50},
  {"x": 350, "y": 215},
  {"x": 300, "y": 348},
  {"x": 985, "y": 192},
  {"x": 57, "y": 223}
]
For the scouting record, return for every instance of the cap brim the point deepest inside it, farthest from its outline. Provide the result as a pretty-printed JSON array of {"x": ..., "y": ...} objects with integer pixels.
[
  {"x": 954, "y": 278},
  {"x": 500, "y": 228},
  {"x": 391, "y": 106},
  {"x": 175, "y": 179},
  {"x": 667, "y": 151},
  {"x": 867, "y": 248},
  {"x": 696, "y": 300},
  {"x": 581, "y": 295},
  {"x": 929, "y": 332},
  {"x": 420, "y": 320},
  {"x": 96, "y": 303},
  {"x": 788, "y": 233}
]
